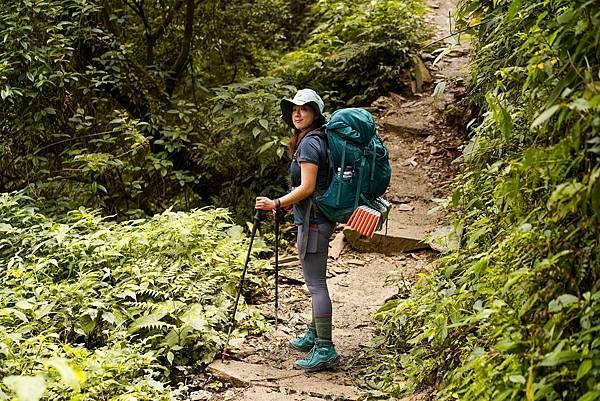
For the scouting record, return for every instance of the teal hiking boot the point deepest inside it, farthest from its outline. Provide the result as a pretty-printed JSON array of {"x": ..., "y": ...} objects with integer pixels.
[
  {"x": 322, "y": 356},
  {"x": 306, "y": 342}
]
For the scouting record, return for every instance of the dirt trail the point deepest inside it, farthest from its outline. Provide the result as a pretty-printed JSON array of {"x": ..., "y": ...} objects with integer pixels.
[{"x": 422, "y": 137}]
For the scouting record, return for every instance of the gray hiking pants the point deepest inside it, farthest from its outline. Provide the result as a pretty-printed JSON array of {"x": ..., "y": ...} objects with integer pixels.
[{"x": 314, "y": 264}]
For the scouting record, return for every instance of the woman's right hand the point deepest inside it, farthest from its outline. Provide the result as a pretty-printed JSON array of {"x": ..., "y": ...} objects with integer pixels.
[{"x": 264, "y": 203}]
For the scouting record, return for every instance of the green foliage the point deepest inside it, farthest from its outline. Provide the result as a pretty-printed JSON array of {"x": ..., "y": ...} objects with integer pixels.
[
  {"x": 82, "y": 120},
  {"x": 93, "y": 309},
  {"x": 242, "y": 156},
  {"x": 242, "y": 38},
  {"x": 515, "y": 311},
  {"x": 122, "y": 105},
  {"x": 128, "y": 107},
  {"x": 91, "y": 112},
  {"x": 357, "y": 50}
]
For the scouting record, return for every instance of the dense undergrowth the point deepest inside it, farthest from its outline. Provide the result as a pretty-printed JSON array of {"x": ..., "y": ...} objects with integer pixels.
[
  {"x": 97, "y": 310},
  {"x": 357, "y": 51},
  {"x": 514, "y": 312}
]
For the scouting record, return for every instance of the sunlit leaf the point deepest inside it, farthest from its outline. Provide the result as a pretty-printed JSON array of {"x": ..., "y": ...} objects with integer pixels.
[
  {"x": 69, "y": 375},
  {"x": 513, "y": 9},
  {"x": 559, "y": 357},
  {"x": 584, "y": 368},
  {"x": 27, "y": 388},
  {"x": 545, "y": 116}
]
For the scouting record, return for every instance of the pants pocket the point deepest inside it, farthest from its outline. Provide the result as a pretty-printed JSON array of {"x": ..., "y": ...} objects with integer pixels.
[
  {"x": 312, "y": 245},
  {"x": 317, "y": 241}
]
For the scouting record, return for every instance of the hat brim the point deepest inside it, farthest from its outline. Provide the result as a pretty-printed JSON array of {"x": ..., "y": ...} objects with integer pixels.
[{"x": 287, "y": 106}]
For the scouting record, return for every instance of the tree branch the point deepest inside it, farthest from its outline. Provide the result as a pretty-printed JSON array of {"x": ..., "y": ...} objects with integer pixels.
[
  {"x": 138, "y": 8},
  {"x": 169, "y": 18},
  {"x": 153, "y": 35},
  {"x": 182, "y": 59}
]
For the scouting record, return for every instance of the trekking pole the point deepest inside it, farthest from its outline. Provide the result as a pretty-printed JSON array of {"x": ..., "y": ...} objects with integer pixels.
[
  {"x": 258, "y": 217},
  {"x": 279, "y": 215}
]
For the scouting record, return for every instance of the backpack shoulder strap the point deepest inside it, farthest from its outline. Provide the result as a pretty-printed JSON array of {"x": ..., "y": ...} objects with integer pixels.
[
  {"x": 325, "y": 155},
  {"x": 322, "y": 135},
  {"x": 319, "y": 132}
]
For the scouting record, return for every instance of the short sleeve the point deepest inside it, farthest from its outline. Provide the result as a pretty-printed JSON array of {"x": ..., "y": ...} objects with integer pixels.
[{"x": 309, "y": 150}]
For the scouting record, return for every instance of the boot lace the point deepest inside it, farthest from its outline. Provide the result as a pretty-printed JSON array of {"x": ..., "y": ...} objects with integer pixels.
[{"x": 310, "y": 354}]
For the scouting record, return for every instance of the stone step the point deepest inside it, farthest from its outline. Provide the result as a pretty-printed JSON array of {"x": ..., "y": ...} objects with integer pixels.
[
  {"x": 242, "y": 374},
  {"x": 400, "y": 240},
  {"x": 270, "y": 394},
  {"x": 414, "y": 127}
]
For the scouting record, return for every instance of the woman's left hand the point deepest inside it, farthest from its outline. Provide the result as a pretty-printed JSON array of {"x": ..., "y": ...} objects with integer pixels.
[{"x": 264, "y": 203}]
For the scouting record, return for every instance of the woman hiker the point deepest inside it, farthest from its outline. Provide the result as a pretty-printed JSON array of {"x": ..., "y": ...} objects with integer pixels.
[{"x": 309, "y": 173}]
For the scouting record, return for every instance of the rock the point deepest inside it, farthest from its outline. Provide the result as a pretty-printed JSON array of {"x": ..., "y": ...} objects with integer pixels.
[
  {"x": 286, "y": 261},
  {"x": 412, "y": 126},
  {"x": 387, "y": 244},
  {"x": 285, "y": 278},
  {"x": 339, "y": 270},
  {"x": 336, "y": 246},
  {"x": 444, "y": 239},
  {"x": 422, "y": 75},
  {"x": 430, "y": 139},
  {"x": 400, "y": 199},
  {"x": 380, "y": 103},
  {"x": 405, "y": 207},
  {"x": 427, "y": 56},
  {"x": 398, "y": 98},
  {"x": 201, "y": 395},
  {"x": 458, "y": 53},
  {"x": 242, "y": 374},
  {"x": 413, "y": 87},
  {"x": 410, "y": 104},
  {"x": 411, "y": 162}
]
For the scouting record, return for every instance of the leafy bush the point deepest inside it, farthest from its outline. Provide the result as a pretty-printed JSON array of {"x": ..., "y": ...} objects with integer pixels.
[
  {"x": 241, "y": 155},
  {"x": 514, "y": 312},
  {"x": 357, "y": 51},
  {"x": 80, "y": 116},
  {"x": 91, "y": 114},
  {"x": 112, "y": 307}
]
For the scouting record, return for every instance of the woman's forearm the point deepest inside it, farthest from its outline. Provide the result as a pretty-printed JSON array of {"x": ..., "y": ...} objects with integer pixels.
[
  {"x": 298, "y": 194},
  {"x": 306, "y": 188},
  {"x": 308, "y": 183}
]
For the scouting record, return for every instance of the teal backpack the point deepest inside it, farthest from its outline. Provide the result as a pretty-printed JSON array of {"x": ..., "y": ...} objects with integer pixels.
[{"x": 358, "y": 162}]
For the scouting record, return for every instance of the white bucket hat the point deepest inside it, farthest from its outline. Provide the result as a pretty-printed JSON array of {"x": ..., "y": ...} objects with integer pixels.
[{"x": 303, "y": 96}]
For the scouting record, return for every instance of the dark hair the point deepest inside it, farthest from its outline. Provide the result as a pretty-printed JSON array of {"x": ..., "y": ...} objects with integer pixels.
[{"x": 295, "y": 139}]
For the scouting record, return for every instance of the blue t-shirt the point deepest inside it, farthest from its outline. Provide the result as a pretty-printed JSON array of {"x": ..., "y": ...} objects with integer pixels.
[{"x": 311, "y": 150}]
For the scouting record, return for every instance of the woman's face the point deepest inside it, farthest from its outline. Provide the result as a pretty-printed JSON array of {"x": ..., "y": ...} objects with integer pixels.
[{"x": 303, "y": 117}]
